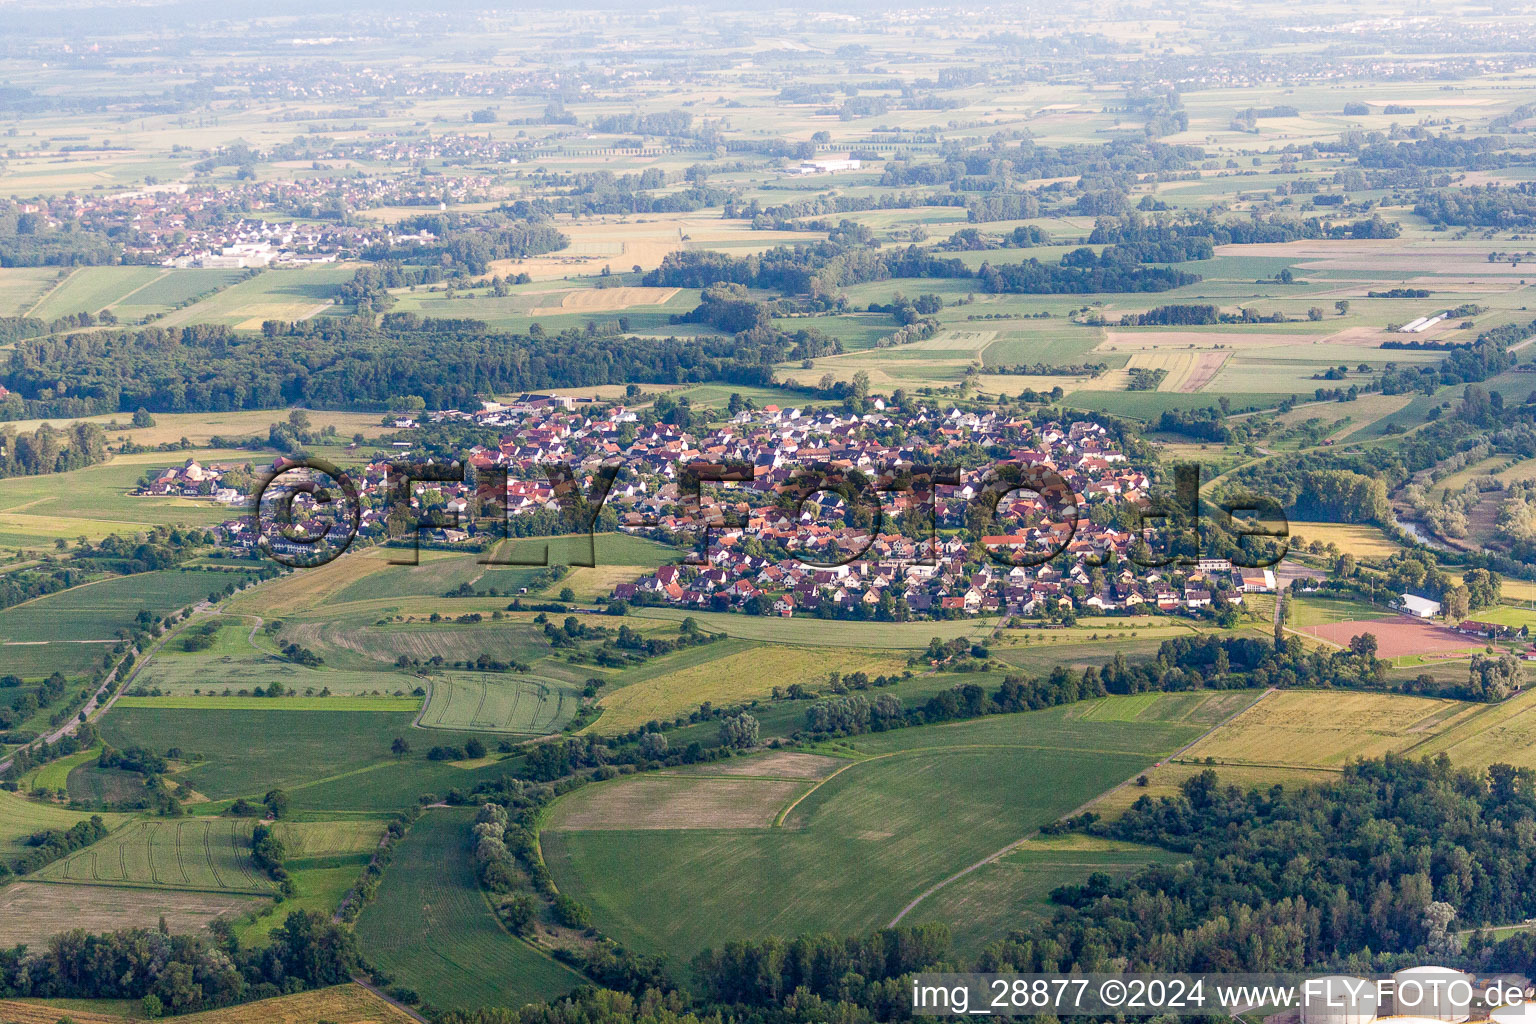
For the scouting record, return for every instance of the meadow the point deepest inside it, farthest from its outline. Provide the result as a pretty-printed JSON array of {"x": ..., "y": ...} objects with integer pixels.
[
  {"x": 97, "y": 501},
  {"x": 431, "y": 923}
]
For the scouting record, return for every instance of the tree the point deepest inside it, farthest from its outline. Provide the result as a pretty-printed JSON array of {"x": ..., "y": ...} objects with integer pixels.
[
  {"x": 276, "y": 802},
  {"x": 142, "y": 418},
  {"x": 474, "y": 749},
  {"x": 653, "y": 745},
  {"x": 1342, "y": 306},
  {"x": 739, "y": 732},
  {"x": 1456, "y": 603},
  {"x": 1314, "y": 313},
  {"x": 1364, "y": 645},
  {"x": 400, "y": 747}
]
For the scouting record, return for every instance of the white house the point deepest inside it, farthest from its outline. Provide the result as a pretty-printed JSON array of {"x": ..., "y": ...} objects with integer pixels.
[{"x": 1420, "y": 607}]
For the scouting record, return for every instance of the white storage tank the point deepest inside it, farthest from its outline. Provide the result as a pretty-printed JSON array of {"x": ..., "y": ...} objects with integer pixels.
[
  {"x": 1338, "y": 1000},
  {"x": 1524, "y": 1013},
  {"x": 1435, "y": 993}
]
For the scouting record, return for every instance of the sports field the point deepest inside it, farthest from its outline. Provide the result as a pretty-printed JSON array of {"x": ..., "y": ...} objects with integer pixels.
[
  {"x": 1397, "y": 637},
  {"x": 431, "y": 923}
]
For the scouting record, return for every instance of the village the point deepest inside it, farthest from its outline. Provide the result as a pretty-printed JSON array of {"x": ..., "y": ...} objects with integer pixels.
[{"x": 760, "y": 543}]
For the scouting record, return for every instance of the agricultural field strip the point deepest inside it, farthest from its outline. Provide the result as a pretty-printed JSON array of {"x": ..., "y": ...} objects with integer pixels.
[
  {"x": 125, "y": 839},
  {"x": 1019, "y": 842}
]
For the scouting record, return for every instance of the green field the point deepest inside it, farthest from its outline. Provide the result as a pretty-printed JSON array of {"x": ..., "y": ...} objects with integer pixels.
[
  {"x": 860, "y": 845},
  {"x": 502, "y": 703},
  {"x": 346, "y": 753},
  {"x": 810, "y": 632},
  {"x": 430, "y": 926},
  {"x": 20, "y": 818},
  {"x": 92, "y": 289},
  {"x": 96, "y": 611},
  {"x": 212, "y": 854},
  {"x": 1014, "y": 890},
  {"x": 388, "y": 704}
]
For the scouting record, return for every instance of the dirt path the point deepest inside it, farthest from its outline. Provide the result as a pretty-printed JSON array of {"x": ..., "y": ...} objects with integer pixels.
[
  {"x": 384, "y": 996},
  {"x": 991, "y": 858},
  {"x": 96, "y": 706}
]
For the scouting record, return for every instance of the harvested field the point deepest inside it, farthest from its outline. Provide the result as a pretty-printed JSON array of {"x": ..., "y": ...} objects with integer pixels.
[
  {"x": 734, "y": 678},
  {"x": 30, "y": 912},
  {"x": 343, "y": 1004},
  {"x": 672, "y": 802},
  {"x": 1396, "y": 637},
  {"x": 1360, "y": 541},
  {"x": 785, "y": 764},
  {"x": 1327, "y": 729},
  {"x": 1495, "y": 733},
  {"x": 597, "y": 300}
]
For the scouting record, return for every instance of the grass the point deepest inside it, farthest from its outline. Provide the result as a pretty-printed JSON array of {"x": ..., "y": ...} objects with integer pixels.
[
  {"x": 922, "y": 804},
  {"x": 1317, "y": 610},
  {"x": 432, "y": 930},
  {"x": 1490, "y": 734},
  {"x": 206, "y": 854},
  {"x": 55, "y": 774},
  {"x": 271, "y": 295}
]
